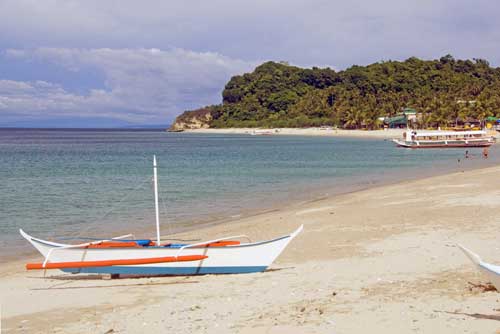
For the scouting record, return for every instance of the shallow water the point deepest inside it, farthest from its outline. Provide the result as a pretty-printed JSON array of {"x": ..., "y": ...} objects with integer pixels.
[{"x": 88, "y": 183}]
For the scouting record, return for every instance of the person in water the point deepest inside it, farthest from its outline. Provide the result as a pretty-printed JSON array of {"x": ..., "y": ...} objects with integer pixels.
[
  {"x": 466, "y": 154},
  {"x": 485, "y": 153}
]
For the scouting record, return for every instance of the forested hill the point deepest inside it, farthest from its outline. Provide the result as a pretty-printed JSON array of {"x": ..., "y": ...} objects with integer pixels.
[{"x": 280, "y": 95}]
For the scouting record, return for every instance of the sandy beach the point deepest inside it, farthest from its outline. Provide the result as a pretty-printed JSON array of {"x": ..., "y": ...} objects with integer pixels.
[
  {"x": 381, "y": 260},
  {"x": 381, "y": 134}
]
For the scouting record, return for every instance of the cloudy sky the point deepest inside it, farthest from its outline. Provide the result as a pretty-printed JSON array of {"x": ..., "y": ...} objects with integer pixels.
[{"x": 114, "y": 63}]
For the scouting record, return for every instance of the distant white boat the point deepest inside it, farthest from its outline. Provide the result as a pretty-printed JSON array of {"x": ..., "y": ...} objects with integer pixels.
[
  {"x": 263, "y": 132},
  {"x": 489, "y": 270},
  {"x": 439, "y": 139}
]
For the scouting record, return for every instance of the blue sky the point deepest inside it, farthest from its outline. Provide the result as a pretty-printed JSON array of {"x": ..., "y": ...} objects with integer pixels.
[{"x": 114, "y": 63}]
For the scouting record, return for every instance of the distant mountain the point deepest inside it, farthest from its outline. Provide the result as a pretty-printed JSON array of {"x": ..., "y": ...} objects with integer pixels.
[
  {"x": 67, "y": 122},
  {"x": 80, "y": 123},
  {"x": 147, "y": 126},
  {"x": 280, "y": 95}
]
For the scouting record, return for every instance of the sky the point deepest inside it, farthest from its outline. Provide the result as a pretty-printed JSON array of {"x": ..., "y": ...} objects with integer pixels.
[{"x": 94, "y": 63}]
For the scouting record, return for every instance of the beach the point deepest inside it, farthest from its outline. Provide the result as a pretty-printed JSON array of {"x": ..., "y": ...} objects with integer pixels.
[
  {"x": 324, "y": 132},
  {"x": 381, "y": 260},
  {"x": 381, "y": 134}
]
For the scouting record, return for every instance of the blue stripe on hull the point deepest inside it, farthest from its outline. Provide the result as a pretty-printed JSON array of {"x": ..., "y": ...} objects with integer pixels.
[{"x": 125, "y": 270}]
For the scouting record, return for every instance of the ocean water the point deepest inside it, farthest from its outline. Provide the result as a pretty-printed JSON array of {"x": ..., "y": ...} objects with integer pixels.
[{"x": 64, "y": 184}]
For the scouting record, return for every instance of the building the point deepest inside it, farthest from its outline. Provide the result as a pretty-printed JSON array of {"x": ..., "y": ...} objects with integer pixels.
[{"x": 402, "y": 120}]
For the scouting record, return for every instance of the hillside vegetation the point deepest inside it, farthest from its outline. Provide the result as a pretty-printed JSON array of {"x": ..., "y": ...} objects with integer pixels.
[{"x": 279, "y": 95}]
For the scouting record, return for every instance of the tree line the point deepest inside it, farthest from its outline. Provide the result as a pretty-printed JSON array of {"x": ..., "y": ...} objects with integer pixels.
[{"x": 276, "y": 94}]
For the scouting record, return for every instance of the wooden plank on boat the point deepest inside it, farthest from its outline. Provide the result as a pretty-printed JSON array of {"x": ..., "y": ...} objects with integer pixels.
[{"x": 106, "y": 263}]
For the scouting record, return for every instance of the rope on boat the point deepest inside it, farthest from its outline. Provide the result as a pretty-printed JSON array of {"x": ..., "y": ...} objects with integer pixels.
[
  {"x": 169, "y": 228},
  {"x": 92, "y": 225},
  {"x": 169, "y": 225}
]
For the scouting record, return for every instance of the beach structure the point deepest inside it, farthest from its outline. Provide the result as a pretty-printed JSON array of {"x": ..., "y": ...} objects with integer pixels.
[
  {"x": 401, "y": 120},
  {"x": 439, "y": 139},
  {"x": 492, "y": 272},
  {"x": 125, "y": 255}
]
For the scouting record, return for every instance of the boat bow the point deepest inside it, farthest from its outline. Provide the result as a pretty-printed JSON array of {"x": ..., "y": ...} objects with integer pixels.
[{"x": 489, "y": 270}]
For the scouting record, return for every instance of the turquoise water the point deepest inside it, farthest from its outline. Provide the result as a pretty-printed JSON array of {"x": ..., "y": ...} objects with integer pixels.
[{"x": 88, "y": 183}]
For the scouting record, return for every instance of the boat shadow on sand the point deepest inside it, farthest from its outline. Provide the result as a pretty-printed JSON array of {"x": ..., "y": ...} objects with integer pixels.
[
  {"x": 71, "y": 279},
  {"x": 98, "y": 277},
  {"x": 60, "y": 286}
]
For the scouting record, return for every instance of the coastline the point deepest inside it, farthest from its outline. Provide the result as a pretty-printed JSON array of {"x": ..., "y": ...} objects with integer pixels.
[
  {"x": 308, "y": 195},
  {"x": 369, "y": 134},
  {"x": 369, "y": 257},
  {"x": 381, "y": 134},
  {"x": 293, "y": 178}
]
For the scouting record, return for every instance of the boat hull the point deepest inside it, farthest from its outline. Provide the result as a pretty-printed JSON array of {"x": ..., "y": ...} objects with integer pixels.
[
  {"x": 233, "y": 259},
  {"x": 413, "y": 145},
  {"x": 158, "y": 270},
  {"x": 490, "y": 271}
]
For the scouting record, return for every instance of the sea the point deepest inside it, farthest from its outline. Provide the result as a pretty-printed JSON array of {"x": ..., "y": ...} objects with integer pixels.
[{"x": 68, "y": 185}]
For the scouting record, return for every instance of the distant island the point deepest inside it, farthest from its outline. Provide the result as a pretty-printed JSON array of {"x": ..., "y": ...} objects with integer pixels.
[{"x": 443, "y": 92}]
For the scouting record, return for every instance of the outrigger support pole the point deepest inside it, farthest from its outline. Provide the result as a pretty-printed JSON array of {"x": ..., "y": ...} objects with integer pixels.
[{"x": 155, "y": 179}]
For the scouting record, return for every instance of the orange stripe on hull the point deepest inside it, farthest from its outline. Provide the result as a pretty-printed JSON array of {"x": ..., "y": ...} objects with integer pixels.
[
  {"x": 106, "y": 263},
  {"x": 221, "y": 243}
]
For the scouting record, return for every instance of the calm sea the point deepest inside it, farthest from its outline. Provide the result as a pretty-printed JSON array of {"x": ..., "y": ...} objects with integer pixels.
[{"x": 69, "y": 183}]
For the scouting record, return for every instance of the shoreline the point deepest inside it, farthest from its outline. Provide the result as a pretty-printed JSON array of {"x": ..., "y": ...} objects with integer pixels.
[
  {"x": 372, "y": 134},
  {"x": 309, "y": 195},
  {"x": 368, "y": 257},
  {"x": 316, "y": 131}
]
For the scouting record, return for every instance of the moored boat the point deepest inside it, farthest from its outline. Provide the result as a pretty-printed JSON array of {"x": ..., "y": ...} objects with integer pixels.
[
  {"x": 439, "y": 139},
  {"x": 123, "y": 255},
  {"x": 263, "y": 132},
  {"x": 491, "y": 271}
]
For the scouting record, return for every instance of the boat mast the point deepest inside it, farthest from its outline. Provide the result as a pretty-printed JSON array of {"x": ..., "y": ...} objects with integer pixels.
[{"x": 155, "y": 179}]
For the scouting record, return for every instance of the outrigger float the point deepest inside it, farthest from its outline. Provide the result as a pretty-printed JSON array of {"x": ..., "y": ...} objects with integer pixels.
[{"x": 124, "y": 256}]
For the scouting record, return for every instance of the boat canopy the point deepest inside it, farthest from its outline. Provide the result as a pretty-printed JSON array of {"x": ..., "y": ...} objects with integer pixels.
[{"x": 445, "y": 133}]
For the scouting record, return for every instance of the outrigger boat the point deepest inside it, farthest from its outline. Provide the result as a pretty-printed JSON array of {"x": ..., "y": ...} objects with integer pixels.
[
  {"x": 489, "y": 270},
  {"x": 122, "y": 255},
  {"x": 263, "y": 132},
  {"x": 438, "y": 139}
]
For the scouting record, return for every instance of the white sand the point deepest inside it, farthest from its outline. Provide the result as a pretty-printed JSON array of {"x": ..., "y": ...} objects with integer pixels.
[
  {"x": 374, "y": 134},
  {"x": 381, "y": 260},
  {"x": 383, "y": 134}
]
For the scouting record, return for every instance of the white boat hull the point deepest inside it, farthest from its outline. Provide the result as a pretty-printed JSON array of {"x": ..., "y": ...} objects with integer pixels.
[
  {"x": 444, "y": 143},
  {"x": 243, "y": 258},
  {"x": 492, "y": 272},
  {"x": 441, "y": 139}
]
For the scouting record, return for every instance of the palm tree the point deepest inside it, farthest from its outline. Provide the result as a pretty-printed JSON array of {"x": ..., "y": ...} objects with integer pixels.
[{"x": 353, "y": 118}]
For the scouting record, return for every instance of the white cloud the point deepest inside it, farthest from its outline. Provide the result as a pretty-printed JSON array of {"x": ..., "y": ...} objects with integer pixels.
[{"x": 141, "y": 85}]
